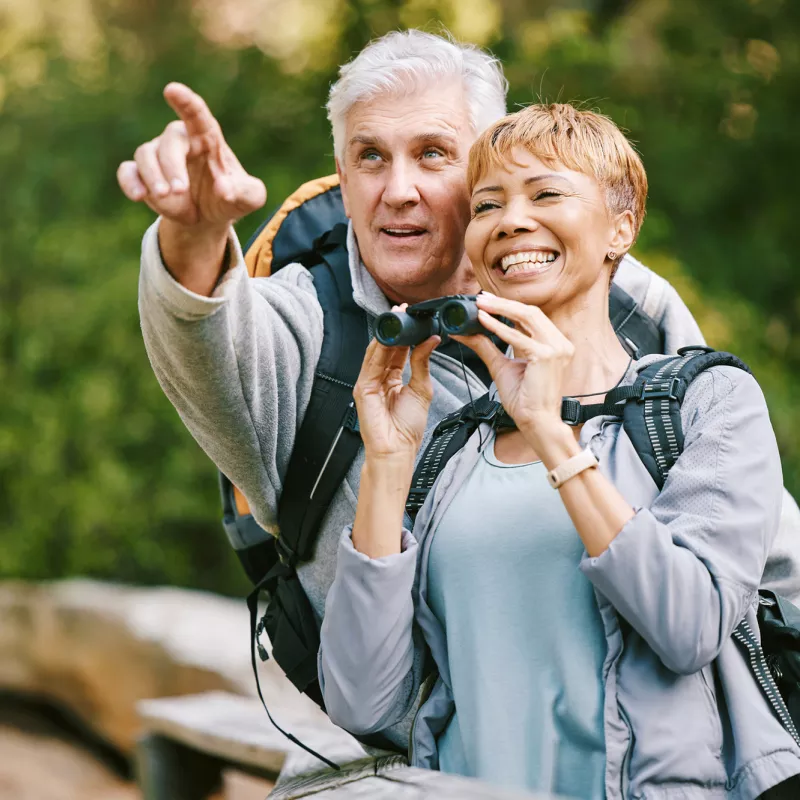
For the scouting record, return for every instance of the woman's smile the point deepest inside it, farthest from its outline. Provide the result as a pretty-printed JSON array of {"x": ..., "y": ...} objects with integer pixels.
[{"x": 520, "y": 264}]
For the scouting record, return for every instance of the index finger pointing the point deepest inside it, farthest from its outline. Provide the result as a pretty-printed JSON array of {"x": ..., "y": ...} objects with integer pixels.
[{"x": 191, "y": 108}]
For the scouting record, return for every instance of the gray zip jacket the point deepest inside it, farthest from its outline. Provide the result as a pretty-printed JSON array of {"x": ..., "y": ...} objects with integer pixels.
[
  {"x": 684, "y": 717},
  {"x": 239, "y": 367}
]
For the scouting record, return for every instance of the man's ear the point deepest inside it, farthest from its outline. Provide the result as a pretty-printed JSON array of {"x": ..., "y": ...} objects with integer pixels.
[
  {"x": 623, "y": 233},
  {"x": 343, "y": 183}
]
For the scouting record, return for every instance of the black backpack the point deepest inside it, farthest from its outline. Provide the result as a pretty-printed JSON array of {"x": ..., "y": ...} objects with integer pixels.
[
  {"x": 650, "y": 411},
  {"x": 310, "y": 228}
]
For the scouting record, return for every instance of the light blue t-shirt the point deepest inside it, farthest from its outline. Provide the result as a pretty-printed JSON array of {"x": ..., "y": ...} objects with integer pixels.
[{"x": 524, "y": 635}]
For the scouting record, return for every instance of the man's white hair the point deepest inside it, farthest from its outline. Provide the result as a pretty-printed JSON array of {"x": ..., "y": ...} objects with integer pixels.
[{"x": 402, "y": 61}]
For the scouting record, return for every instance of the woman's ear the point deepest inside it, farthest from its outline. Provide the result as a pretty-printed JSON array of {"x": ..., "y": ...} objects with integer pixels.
[
  {"x": 343, "y": 185},
  {"x": 623, "y": 234}
]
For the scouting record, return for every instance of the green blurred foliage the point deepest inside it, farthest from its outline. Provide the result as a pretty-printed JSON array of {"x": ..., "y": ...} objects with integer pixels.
[{"x": 97, "y": 474}]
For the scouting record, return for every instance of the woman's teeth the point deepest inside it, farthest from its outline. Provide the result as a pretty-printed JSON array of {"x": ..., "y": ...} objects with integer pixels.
[{"x": 529, "y": 261}]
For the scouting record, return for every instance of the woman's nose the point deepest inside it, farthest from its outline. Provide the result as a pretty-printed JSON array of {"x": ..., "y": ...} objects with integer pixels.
[
  {"x": 516, "y": 219},
  {"x": 401, "y": 188}
]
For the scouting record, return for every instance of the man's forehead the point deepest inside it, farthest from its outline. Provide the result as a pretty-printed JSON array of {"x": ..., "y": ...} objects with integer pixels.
[{"x": 435, "y": 114}]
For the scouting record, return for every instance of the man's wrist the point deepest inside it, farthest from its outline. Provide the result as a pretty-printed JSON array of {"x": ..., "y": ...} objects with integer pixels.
[{"x": 196, "y": 255}]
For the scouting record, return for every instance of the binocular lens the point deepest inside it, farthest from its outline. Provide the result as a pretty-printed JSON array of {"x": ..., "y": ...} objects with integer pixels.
[
  {"x": 453, "y": 316},
  {"x": 389, "y": 327}
]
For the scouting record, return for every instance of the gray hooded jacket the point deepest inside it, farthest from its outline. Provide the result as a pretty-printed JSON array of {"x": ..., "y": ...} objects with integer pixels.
[{"x": 684, "y": 716}]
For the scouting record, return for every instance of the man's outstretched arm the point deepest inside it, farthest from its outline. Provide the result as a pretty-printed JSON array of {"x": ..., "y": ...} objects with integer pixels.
[{"x": 235, "y": 356}]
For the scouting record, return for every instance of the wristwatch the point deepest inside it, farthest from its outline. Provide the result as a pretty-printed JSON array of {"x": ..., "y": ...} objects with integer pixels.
[{"x": 572, "y": 467}]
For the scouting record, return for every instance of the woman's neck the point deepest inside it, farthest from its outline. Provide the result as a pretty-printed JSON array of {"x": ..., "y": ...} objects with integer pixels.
[{"x": 600, "y": 360}]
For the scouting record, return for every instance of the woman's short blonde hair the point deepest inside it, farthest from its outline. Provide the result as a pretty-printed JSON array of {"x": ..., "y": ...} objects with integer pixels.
[{"x": 583, "y": 141}]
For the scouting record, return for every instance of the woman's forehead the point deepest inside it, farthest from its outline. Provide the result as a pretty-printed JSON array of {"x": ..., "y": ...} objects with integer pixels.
[{"x": 521, "y": 162}]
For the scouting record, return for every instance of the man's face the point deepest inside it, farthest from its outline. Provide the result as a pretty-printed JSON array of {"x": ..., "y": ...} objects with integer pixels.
[{"x": 404, "y": 188}]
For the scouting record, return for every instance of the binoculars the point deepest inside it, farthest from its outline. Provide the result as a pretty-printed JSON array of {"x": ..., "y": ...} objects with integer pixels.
[{"x": 453, "y": 315}]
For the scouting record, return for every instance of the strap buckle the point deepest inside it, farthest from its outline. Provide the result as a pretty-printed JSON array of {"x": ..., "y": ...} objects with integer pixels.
[
  {"x": 464, "y": 414},
  {"x": 571, "y": 412},
  {"x": 287, "y": 556},
  {"x": 350, "y": 420},
  {"x": 450, "y": 421},
  {"x": 660, "y": 391}
]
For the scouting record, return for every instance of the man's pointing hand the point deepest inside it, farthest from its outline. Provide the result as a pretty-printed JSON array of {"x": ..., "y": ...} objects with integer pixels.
[{"x": 190, "y": 176}]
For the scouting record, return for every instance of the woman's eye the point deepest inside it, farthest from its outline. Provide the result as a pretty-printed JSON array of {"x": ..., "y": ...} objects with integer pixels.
[
  {"x": 485, "y": 205},
  {"x": 546, "y": 194}
]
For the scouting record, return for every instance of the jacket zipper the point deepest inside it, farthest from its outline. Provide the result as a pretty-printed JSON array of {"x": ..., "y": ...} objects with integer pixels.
[{"x": 625, "y": 778}]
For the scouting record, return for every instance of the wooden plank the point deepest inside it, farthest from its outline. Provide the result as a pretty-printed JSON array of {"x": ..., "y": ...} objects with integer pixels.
[
  {"x": 225, "y": 728},
  {"x": 312, "y": 782},
  {"x": 236, "y": 729},
  {"x": 168, "y": 770},
  {"x": 390, "y": 778}
]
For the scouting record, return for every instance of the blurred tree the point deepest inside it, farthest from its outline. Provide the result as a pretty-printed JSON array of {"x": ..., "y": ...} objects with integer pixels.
[{"x": 97, "y": 474}]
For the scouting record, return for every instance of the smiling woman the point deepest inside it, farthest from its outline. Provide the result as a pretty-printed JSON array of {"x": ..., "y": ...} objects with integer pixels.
[
  {"x": 581, "y": 639},
  {"x": 574, "y": 181}
]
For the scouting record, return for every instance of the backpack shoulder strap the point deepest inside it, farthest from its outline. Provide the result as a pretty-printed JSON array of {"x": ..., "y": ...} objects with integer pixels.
[
  {"x": 449, "y": 436},
  {"x": 652, "y": 415},
  {"x": 329, "y": 438},
  {"x": 290, "y": 234},
  {"x": 637, "y": 332}
]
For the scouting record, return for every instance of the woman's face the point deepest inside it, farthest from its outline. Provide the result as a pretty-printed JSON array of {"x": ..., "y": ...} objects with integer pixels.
[{"x": 538, "y": 234}]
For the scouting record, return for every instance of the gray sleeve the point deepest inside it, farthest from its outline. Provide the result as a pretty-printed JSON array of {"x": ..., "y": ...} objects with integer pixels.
[
  {"x": 684, "y": 571},
  {"x": 366, "y": 657},
  {"x": 238, "y": 366}
]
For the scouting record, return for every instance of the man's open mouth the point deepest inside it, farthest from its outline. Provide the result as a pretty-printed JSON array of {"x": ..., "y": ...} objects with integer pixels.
[
  {"x": 530, "y": 262},
  {"x": 403, "y": 231}
]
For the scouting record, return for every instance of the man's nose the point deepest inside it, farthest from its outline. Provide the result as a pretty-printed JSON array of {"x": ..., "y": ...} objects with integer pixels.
[
  {"x": 516, "y": 219},
  {"x": 401, "y": 187}
]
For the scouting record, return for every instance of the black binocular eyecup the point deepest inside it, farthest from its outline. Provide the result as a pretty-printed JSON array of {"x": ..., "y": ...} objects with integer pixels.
[
  {"x": 456, "y": 315},
  {"x": 400, "y": 329}
]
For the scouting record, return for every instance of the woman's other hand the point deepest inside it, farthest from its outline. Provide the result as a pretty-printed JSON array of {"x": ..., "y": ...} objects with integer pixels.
[
  {"x": 392, "y": 415},
  {"x": 530, "y": 384}
]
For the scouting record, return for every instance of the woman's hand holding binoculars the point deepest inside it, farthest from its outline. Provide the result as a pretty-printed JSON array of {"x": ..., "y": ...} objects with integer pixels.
[
  {"x": 392, "y": 415},
  {"x": 530, "y": 383}
]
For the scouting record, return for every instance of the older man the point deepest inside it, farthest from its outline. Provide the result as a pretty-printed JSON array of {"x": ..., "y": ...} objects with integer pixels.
[{"x": 237, "y": 356}]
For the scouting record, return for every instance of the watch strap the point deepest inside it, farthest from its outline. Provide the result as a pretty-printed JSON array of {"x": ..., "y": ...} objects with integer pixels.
[{"x": 572, "y": 467}]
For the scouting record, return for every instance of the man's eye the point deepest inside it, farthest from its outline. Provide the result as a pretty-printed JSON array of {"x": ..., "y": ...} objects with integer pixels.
[
  {"x": 432, "y": 152},
  {"x": 484, "y": 205},
  {"x": 370, "y": 155}
]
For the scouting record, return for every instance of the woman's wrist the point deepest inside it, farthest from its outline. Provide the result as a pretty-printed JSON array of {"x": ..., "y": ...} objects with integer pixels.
[
  {"x": 553, "y": 440},
  {"x": 385, "y": 480},
  {"x": 389, "y": 464}
]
